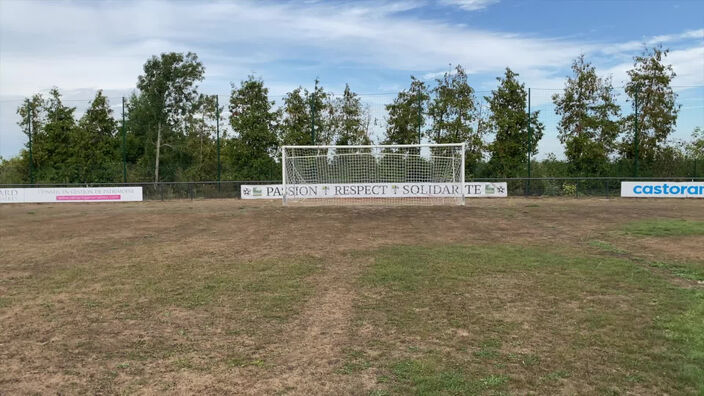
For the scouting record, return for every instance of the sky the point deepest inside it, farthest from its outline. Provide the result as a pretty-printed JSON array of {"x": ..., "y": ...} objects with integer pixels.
[{"x": 375, "y": 46}]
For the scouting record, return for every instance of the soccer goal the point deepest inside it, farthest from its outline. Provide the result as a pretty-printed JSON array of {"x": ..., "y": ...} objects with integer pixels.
[{"x": 415, "y": 174}]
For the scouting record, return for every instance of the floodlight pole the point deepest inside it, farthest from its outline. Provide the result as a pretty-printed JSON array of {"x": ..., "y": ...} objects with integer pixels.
[
  {"x": 312, "y": 113},
  {"x": 636, "y": 132},
  {"x": 530, "y": 142},
  {"x": 217, "y": 133},
  {"x": 124, "y": 144},
  {"x": 420, "y": 117},
  {"x": 31, "y": 159}
]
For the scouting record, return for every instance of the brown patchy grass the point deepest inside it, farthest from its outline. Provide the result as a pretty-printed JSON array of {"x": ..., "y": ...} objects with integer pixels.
[{"x": 227, "y": 296}]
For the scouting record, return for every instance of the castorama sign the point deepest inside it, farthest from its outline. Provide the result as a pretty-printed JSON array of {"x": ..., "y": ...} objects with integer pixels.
[{"x": 647, "y": 189}]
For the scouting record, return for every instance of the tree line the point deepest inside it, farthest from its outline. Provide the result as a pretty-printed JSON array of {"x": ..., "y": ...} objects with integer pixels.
[{"x": 171, "y": 131}]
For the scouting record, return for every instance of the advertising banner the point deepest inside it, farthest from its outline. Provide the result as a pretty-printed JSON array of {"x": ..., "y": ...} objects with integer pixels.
[
  {"x": 648, "y": 189},
  {"x": 375, "y": 190},
  {"x": 70, "y": 194}
]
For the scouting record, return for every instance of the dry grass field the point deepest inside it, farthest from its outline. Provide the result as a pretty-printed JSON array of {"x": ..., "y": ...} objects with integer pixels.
[{"x": 506, "y": 296}]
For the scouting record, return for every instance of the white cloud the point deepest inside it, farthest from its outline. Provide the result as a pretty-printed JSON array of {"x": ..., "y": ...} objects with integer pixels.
[
  {"x": 104, "y": 44},
  {"x": 470, "y": 5}
]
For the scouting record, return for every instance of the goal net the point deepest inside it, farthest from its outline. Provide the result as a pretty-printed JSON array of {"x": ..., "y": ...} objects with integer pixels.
[{"x": 413, "y": 174}]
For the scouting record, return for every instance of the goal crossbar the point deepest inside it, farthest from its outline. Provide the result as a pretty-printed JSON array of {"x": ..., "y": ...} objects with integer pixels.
[{"x": 375, "y": 146}]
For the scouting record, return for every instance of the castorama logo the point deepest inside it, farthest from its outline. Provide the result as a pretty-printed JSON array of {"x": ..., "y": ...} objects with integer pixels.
[{"x": 663, "y": 189}]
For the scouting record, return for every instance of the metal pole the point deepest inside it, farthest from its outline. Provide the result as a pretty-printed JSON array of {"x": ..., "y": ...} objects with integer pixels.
[
  {"x": 420, "y": 117},
  {"x": 530, "y": 141},
  {"x": 217, "y": 132},
  {"x": 31, "y": 159},
  {"x": 124, "y": 144},
  {"x": 283, "y": 175},
  {"x": 635, "y": 138},
  {"x": 312, "y": 113}
]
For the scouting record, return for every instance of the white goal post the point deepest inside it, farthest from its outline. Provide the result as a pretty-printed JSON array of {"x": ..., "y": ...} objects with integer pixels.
[{"x": 416, "y": 174}]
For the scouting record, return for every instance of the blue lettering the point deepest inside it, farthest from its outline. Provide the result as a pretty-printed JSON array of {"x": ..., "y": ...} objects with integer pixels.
[
  {"x": 658, "y": 189},
  {"x": 638, "y": 189}
]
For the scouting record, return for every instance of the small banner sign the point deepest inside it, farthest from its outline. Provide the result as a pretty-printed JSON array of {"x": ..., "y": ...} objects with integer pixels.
[
  {"x": 647, "y": 189},
  {"x": 375, "y": 190},
  {"x": 70, "y": 194}
]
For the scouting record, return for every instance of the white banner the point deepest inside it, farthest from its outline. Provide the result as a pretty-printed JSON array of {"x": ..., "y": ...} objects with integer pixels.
[
  {"x": 647, "y": 189},
  {"x": 375, "y": 190},
  {"x": 71, "y": 194}
]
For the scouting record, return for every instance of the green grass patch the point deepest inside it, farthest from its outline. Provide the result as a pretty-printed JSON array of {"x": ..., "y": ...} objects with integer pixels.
[
  {"x": 430, "y": 377},
  {"x": 686, "y": 331},
  {"x": 536, "y": 314},
  {"x": 686, "y": 270},
  {"x": 606, "y": 247},
  {"x": 665, "y": 227}
]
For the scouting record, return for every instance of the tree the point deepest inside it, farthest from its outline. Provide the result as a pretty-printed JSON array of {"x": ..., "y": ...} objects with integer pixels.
[
  {"x": 95, "y": 146},
  {"x": 255, "y": 124},
  {"x": 295, "y": 127},
  {"x": 695, "y": 149},
  {"x": 454, "y": 113},
  {"x": 168, "y": 96},
  {"x": 200, "y": 141},
  {"x": 31, "y": 112},
  {"x": 589, "y": 122},
  {"x": 350, "y": 121},
  {"x": 307, "y": 117},
  {"x": 650, "y": 80},
  {"x": 405, "y": 115},
  {"x": 52, "y": 149},
  {"x": 516, "y": 133}
]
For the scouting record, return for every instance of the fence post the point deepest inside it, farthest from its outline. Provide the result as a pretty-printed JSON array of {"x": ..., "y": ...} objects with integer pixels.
[
  {"x": 695, "y": 167},
  {"x": 124, "y": 144},
  {"x": 312, "y": 113},
  {"x": 31, "y": 159},
  {"x": 530, "y": 144},
  {"x": 217, "y": 131},
  {"x": 420, "y": 117},
  {"x": 606, "y": 183}
]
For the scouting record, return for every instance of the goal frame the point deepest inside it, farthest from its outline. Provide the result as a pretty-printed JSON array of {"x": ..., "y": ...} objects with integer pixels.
[{"x": 373, "y": 146}]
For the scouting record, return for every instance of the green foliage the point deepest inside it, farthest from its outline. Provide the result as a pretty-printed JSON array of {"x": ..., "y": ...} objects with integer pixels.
[
  {"x": 307, "y": 117},
  {"x": 159, "y": 113},
  {"x": 589, "y": 124},
  {"x": 169, "y": 119},
  {"x": 96, "y": 157},
  {"x": 52, "y": 151},
  {"x": 350, "y": 120},
  {"x": 453, "y": 113},
  {"x": 516, "y": 133},
  {"x": 650, "y": 79},
  {"x": 695, "y": 149},
  {"x": 405, "y": 119},
  {"x": 15, "y": 170},
  {"x": 255, "y": 145}
]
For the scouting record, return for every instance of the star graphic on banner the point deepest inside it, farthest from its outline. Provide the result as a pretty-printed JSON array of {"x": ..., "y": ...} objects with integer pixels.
[
  {"x": 500, "y": 189},
  {"x": 245, "y": 191}
]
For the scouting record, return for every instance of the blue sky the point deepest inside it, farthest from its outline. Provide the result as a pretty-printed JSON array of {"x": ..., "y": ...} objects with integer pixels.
[{"x": 80, "y": 46}]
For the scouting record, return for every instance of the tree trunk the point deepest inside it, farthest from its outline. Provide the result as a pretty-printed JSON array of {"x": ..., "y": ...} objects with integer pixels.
[{"x": 158, "y": 146}]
